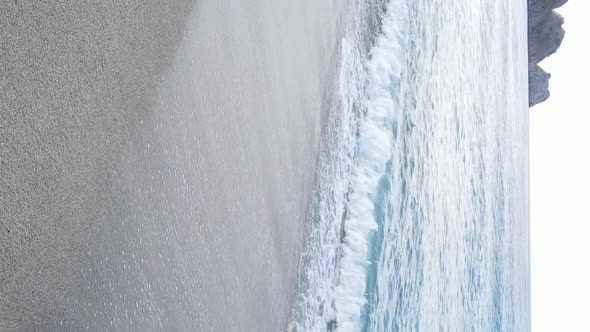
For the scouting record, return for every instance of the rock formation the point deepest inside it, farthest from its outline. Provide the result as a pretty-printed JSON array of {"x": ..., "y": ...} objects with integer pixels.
[{"x": 545, "y": 34}]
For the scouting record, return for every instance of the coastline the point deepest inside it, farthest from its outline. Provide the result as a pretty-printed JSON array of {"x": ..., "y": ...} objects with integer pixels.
[{"x": 158, "y": 162}]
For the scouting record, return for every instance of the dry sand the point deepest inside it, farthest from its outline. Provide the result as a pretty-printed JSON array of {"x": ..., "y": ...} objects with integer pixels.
[{"x": 156, "y": 159}]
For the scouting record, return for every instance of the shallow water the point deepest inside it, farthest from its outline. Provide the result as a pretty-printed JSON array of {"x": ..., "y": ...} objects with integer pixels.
[{"x": 420, "y": 214}]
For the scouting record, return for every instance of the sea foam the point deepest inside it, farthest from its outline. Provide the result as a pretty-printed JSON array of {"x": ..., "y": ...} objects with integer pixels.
[{"x": 375, "y": 149}]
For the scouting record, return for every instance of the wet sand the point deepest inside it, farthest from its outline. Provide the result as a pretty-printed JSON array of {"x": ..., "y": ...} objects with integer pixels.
[{"x": 156, "y": 159}]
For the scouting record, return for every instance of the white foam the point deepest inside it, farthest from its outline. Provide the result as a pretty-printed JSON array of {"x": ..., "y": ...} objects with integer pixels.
[
  {"x": 375, "y": 148},
  {"x": 314, "y": 308}
]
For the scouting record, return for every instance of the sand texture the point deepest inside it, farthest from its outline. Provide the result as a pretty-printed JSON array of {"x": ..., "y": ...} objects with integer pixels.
[{"x": 156, "y": 160}]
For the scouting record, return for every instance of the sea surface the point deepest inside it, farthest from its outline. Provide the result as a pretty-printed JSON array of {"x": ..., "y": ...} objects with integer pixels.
[{"x": 419, "y": 220}]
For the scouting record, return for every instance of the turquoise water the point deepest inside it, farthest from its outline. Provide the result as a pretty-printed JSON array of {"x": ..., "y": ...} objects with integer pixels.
[{"x": 420, "y": 215}]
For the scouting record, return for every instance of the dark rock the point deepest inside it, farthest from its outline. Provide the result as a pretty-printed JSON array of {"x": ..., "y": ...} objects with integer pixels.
[
  {"x": 545, "y": 38},
  {"x": 538, "y": 84},
  {"x": 545, "y": 34}
]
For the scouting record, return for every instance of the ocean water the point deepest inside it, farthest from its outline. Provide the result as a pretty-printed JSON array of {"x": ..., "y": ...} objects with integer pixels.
[{"x": 419, "y": 220}]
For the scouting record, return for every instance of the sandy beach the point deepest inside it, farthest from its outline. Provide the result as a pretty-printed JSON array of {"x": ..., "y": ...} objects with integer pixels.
[{"x": 156, "y": 160}]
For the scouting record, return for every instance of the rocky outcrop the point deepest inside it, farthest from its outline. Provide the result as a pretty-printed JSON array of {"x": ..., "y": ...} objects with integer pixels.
[
  {"x": 545, "y": 34},
  {"x": 538, "y": 84}
]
